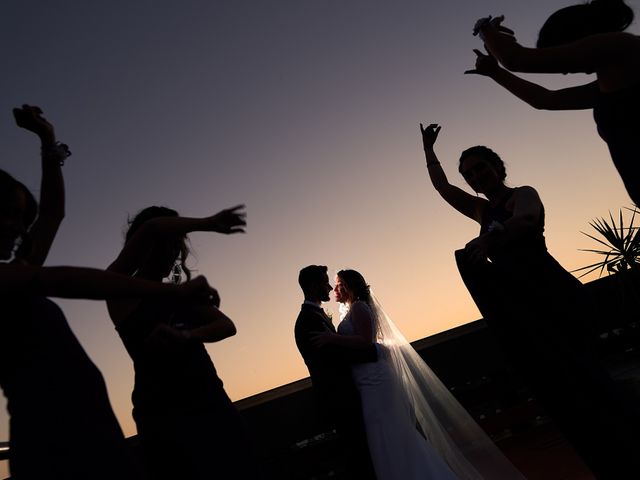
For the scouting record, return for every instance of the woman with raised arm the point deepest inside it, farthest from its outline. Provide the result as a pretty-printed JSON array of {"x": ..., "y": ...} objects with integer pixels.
[
  {"x": 187, "y": 425},
  {"x": 535, "y": 309},
  {"x": 61, "y": 423},
  {"x": 585, "y": 38}
]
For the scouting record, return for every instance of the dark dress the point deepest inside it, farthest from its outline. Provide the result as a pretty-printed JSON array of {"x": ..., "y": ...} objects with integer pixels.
[
  {"x": 61, "y": 425},
  {"x": 617, "y": 115},
  {"x": 187, "y": 425},
  {"x": 536, "y": 310}
]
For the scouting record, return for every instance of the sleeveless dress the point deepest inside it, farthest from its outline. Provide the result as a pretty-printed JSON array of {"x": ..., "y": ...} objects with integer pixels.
[
  {"x": 537, "y": 310},
  {"x": 617, "y": 116},
  {"x": 61, "y": 422},
  {"x": 398, "y": 450},
  {"x": 187, "y": 425}
]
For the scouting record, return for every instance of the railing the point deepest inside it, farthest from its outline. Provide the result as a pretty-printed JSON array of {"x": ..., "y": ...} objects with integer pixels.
[{"x": 496, "y": 397}]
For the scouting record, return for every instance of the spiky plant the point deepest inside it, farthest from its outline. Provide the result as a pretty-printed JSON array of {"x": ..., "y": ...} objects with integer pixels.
[{"x": 622, "y": 244}]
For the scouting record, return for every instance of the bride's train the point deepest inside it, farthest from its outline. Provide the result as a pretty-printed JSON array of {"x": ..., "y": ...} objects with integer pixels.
[{"x": 416, "y": 429}]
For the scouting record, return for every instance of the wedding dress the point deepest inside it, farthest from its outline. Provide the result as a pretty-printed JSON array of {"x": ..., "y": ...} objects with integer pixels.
[{"x": 415, "y": 428}]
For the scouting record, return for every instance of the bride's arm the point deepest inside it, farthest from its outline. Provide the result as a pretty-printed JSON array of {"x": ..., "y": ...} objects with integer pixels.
[{"x": 362, "y": 320}]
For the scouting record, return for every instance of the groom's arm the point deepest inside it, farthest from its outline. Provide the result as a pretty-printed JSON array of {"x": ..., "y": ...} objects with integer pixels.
[
  {"x": 363, "y": 354},
  {"x": 308, "y": 328}
]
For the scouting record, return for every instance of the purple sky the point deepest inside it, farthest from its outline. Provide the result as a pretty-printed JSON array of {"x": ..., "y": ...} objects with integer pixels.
[{"x": 308, "y": 112}]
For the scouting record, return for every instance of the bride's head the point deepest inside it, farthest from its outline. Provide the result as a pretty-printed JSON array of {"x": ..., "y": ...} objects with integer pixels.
[{"x": 351, "y": 287}]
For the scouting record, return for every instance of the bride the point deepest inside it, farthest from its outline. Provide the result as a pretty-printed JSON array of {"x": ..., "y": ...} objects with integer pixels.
[{"x": 415, "y": 427}]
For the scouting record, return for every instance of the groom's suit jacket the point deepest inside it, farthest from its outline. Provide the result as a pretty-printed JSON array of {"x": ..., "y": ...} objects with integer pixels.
[{"x": 329, "y": 365}]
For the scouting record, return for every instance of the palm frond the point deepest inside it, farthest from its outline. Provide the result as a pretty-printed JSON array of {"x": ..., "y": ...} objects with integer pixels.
[{"x": 622, "y": 243}]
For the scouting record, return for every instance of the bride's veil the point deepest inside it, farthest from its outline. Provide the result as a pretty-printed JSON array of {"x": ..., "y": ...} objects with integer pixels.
[{"x": 466, "y": 448}]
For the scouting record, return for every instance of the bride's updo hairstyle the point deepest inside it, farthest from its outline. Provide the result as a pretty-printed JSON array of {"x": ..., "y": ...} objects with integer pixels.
[
  {"x": 578, "y": 21},
  {"x": 149, "y": 213},
  {"x": 488, "y": 156},
  {"x": 356, "y": 285}
]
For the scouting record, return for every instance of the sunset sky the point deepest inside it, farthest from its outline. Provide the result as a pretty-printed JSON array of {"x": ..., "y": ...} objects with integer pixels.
[{"x": 307, "y": 111}]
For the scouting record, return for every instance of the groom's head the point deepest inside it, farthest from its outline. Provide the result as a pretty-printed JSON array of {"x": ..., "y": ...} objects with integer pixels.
[{"x": 314, "y": 281}]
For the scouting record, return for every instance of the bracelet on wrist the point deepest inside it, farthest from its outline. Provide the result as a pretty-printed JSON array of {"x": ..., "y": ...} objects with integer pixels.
[{"x": 56, "y": 152}]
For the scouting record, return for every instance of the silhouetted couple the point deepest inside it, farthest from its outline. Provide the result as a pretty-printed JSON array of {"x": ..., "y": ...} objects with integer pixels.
[{"x": 394, "y": 418}]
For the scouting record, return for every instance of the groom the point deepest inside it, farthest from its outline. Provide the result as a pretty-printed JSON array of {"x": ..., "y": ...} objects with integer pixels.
[{"x": 329, "y": 368}]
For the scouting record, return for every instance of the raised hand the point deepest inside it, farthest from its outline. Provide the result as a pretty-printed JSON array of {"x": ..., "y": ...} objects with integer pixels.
[
  {"x": 494, "y": 24},
  {"x": 229, "y": 220},
  {"x": 480, "y": 23},
  {"x": 486, "y": 64},
  {"x": 429, "y": 135},
  {"x": 30, "y": 118}
]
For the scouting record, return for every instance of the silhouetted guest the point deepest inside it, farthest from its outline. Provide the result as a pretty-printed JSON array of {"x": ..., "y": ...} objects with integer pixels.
[
  {"x": 61, "y": 423},
  {"x": 337, "y": 398},
  {"x": 585, "y": 38},
  {"x": 533, "y": 306},
  {"x": 187, "y": 425}
]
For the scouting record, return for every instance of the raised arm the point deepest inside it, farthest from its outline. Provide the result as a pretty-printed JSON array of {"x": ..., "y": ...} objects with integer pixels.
[
  {"x": 590, "y": 54},
  {"x": 573, "y": 98},
  {"x": 90, "y": 283},
  {"x": 227, "y": 221},
  {"x": 52, "y": 198},
  {"x": 462, "y": 201},
  {"x": 214, "y": 326}
]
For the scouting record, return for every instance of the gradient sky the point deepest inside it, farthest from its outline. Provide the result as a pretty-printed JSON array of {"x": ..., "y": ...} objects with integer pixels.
[{"x": 308, "y": 112}]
